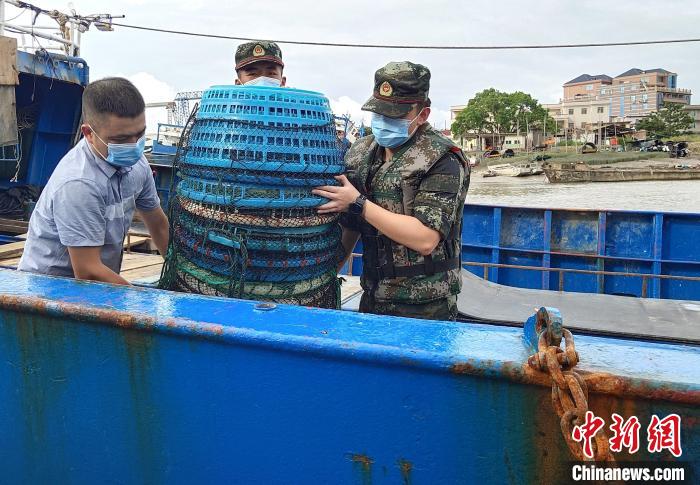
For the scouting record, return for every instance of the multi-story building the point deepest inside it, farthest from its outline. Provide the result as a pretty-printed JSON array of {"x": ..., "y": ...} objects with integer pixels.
[
  {"x": 636, "y": 93},
  {"x": 592, "y": 100}
]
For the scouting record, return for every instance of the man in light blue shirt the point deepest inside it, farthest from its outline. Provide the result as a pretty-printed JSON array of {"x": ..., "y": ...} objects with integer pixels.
[{"x": 80, "y": 221}]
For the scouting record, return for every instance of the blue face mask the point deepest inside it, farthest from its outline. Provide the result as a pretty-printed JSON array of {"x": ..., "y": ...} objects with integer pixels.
[
  {"x": 390, "y": 132},
  {"x": 123, "y": 154}
]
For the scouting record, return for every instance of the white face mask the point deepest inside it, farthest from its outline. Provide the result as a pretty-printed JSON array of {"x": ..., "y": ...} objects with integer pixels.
[{"x": 265, "y": 81}]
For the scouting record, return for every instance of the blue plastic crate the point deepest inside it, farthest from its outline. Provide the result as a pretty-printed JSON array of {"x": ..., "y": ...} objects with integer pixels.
[
  {"x": 265, "y": 129},
  {"x": 260, "y": 103}
]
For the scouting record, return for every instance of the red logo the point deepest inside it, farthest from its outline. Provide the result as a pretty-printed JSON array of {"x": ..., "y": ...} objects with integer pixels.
[
  {"x": 665, "y": 434},
  {"x": 625, "y": 434},
  {"x": 587, "y": 431},
  {"x": 662, "y": 434}
]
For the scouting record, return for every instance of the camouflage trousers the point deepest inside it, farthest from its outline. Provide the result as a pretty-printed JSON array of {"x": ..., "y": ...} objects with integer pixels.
[{"x": 443, "y": 309}]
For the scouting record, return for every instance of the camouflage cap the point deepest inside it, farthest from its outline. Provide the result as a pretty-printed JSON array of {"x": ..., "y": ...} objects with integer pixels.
[
  {"x": 262, "y": 50},
  {"x": 397, "y": 87}
]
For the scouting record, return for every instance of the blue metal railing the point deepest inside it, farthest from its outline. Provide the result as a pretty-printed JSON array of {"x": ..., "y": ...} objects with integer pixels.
[{"x": 642, "y": 254}]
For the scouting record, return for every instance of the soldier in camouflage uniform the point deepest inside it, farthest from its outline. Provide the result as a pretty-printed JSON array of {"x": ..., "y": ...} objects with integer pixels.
[
  {"x": 404, "y": 195},
  {"x": 260, "y": 63}
]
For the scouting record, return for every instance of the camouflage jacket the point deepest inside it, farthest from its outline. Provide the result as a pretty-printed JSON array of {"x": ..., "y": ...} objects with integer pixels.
[{"x": 405, "y": 185}]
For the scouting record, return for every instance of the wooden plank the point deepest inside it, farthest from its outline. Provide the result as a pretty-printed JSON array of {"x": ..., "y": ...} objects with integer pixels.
[
  {"x": 15, "y": 249},
  {"x": 133, "y": 241},
  {"x": 142, "y": 274},
  {"x": 11, "y": 250},
  {"x": 12, "y": 226},
  {"x": 9, "y": 78},
  {"x": 8, "y": 116},
  {"x": 128, "y": 264},
  {"x": 8, "y": 62},
  {"x": 10, "y": 262},
  {"x": 149, "y": 274},
  {"x": 144, "y": 265}
]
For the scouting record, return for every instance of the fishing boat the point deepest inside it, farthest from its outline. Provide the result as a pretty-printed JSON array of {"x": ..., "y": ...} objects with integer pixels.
[
  {"x": 509, "y": 169},
  {"x": 581, "y": 172},
  {"x": 638, "y": 254},
  {"x": 140, "y": 385},
  {"x": 522, "y": 169}
]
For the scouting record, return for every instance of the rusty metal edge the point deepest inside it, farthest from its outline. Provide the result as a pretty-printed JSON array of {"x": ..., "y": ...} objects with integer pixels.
[{"x": 519, "y": 372}]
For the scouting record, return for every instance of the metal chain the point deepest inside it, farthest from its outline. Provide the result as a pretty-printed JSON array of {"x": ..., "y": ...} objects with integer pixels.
[{"x": 569, "y": 391}]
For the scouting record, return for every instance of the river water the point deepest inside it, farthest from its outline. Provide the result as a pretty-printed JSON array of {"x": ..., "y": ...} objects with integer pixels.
[{"x": 535, "y": 191}]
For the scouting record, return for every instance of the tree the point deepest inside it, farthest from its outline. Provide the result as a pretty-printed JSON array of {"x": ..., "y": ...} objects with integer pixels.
[
  {"x": 493, "y": 111},
  {"x": 672, "y": 120}
]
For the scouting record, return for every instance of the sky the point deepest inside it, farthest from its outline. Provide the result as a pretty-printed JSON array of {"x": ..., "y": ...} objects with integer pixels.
[{"x": 163, "y": 64}]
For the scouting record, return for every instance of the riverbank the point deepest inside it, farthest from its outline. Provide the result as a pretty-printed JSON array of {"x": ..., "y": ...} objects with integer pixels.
[
  {"x": 598, "y": 158},
  {"x": 535, "y": 191}
]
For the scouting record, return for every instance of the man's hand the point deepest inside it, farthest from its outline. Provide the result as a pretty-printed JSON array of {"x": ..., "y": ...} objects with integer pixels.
[{"x": 339, "y": 198}]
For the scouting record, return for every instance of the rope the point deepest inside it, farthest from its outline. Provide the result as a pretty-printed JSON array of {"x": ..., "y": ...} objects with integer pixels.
[{"x": 397, "y": 46}]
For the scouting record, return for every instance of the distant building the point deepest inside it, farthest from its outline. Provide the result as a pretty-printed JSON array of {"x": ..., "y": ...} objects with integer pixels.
[
  {"x": 694, "y": 111},
  {"x": 591, "y": 101},
  {"x": 473, "y": 141}
]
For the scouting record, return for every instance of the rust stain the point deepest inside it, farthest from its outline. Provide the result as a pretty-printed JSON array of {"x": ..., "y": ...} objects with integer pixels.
[
  {"x": 364, "y": 464},
  {"x": 546, "y": 445},
  {"x": 598, "y": 382},
  {"x": 604, "y": 383},
  {"x": 213, "y": 328},
  {"x": 406, "y": 467},
  {"x": 139, "y": 349},
  {"x": 364, "y": 460},
  {"x": 118, "y": 318},
  {"x": 40, "y": 373}
]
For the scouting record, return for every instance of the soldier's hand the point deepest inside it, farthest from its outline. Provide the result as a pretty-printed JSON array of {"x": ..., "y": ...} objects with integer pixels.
[{"x": 339, "y": 198}]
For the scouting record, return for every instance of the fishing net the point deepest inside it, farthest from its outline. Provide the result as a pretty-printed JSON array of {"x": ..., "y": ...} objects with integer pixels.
[{"x": 243, "y": 218}]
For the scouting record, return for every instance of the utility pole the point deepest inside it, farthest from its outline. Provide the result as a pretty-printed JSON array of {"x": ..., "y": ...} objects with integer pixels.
[
  {"x": 69, "y": 29},
  {"x": 527, "y": 133}
]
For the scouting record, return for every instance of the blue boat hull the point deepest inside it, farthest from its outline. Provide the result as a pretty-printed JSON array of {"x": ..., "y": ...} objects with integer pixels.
[
  {"x": 627, "y": 253},
  {"x": 102, "y": 383},
  {"x": 630, "y": 253}
]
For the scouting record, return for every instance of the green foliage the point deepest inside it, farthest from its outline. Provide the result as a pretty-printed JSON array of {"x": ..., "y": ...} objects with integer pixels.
[
  {"x": 493, "y": 111},
  {"x": 672, "y": 120}
]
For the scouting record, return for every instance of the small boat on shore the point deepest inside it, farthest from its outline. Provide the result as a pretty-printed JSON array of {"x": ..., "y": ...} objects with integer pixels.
[
  {"x": 581, "y": 172},
  {"x": 514, "y": 169}
]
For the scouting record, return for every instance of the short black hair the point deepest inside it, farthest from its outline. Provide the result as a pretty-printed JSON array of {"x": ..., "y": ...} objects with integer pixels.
[{"x": 112, "y": 95}]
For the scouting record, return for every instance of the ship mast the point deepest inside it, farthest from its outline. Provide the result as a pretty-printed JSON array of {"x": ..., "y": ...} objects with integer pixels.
[{"x": 64, "y": 37}]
